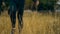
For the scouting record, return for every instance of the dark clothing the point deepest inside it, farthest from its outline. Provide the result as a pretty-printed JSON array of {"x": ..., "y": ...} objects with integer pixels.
[
  {"x": 34, "y": 0},
  {"x": 14, "y": 6},
  {"x": 0, "y": 6}
]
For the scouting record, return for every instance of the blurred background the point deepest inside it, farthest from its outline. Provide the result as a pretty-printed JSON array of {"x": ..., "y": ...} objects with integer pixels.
[
  {"x": 40, "y": 17},
  {"x": 29, "y": 3}
]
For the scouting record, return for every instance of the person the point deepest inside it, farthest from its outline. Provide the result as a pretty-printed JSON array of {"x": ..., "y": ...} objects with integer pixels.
[
  {"x": 34, "y": 5},
  {"x": 0, "y": 6},
  {"x": 16, "y": 7}
]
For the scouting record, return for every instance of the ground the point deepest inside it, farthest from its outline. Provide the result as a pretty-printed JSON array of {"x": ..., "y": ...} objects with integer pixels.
[{"x": 34, "y": 23}]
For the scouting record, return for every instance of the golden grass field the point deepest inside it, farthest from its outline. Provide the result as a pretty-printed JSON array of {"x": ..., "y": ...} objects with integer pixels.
[{"x": 34, "y": 23}]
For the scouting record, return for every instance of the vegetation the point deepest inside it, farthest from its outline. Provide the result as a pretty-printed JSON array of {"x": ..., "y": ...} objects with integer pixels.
[
  {"x": 28, "y": 3},
  {"x": 34, "y": 23}
]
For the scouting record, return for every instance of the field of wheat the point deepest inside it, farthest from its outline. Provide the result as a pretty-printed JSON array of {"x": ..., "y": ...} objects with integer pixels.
[{"x": 33, "y": 23}]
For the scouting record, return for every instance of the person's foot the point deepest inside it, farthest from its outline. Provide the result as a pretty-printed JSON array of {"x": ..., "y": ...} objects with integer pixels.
[
  {"x": 20, "y": 27},
  {"x": 13, "y": 30}
]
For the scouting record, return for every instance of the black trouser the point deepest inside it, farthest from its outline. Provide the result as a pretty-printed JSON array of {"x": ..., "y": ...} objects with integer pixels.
[
  {"x": 0, "y": 6},
  {"x": 12, "y": 12}
]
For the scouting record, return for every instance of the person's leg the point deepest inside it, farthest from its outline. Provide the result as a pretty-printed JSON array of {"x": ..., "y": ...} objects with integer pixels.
[
  {"x": 20, "y": 20},
  {"x": 20, "y": 15},
  {"x": 0, "y": 6},
  {"x": 12, "y": 14}
]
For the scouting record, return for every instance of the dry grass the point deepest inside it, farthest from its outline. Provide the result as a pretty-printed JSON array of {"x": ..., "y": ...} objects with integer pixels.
[{"x": 34, "y": 23}]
